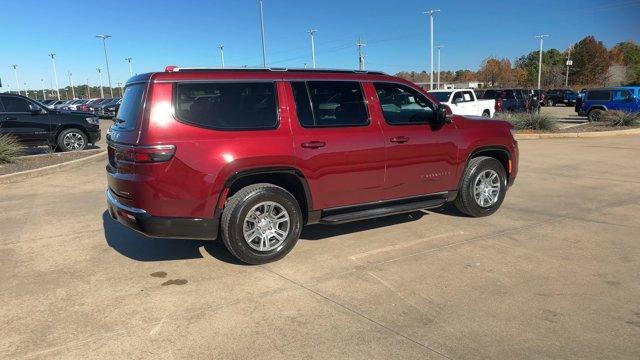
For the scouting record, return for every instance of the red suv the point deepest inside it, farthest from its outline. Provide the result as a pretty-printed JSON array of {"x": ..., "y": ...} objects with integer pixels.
[{"x": 255, "y": 154}]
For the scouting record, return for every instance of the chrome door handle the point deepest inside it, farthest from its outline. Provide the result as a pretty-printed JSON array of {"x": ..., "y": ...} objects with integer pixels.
[
  {"x": 399, "y": 139},
  {"x": 313, "y": 144}
]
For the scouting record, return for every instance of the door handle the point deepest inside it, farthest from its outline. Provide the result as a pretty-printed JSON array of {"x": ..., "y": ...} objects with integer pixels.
[
  {"x": 11, "y": 118},
  {"x": 399, "y": 139},
  {"x": 313, "y": 144}
]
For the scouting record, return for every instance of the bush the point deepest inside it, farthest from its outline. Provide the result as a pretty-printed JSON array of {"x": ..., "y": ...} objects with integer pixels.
[
  {"x": 621, "y": 118},
  {"x": 531, "y": 121},
  {"x": 9, "y": 148}
]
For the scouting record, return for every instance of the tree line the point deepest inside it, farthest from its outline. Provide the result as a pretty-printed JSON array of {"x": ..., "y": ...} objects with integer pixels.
[{"x": 593, "y": 65}]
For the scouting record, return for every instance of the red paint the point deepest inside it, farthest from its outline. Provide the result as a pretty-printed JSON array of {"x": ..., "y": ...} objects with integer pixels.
[{"x": 342, "y": 166}]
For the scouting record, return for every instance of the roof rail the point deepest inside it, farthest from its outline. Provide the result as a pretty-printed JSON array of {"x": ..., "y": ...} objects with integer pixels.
[{"x": 172, "y": 68}]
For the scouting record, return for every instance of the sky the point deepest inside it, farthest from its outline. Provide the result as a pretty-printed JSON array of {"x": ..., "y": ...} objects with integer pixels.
[{"x": 187, "y": 33}]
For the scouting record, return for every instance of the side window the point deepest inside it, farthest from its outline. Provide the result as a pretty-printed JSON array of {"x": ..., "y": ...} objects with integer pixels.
[
  {"x": 402, "y": 105},
  {"x": 468, "y": 96},
  {"x": 1, "y": 106},
  {"x": 330, "y": 103},
  {"x": 457, "y": 97},
  {"x": 621, "y": 94},
  {"x": 15, "y": 104},
  {"x": 491, "y": 94},
  {"x": 599, "y": 95},
  {"x": 508, "y": 94},
  {"x": 228, "y": 106}
]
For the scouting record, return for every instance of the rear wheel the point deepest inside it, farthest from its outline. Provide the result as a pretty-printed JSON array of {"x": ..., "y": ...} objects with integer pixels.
[
  {"x": 486, "y": 114},
  {"x": 261, "y": 223},
  {"x": 72, "y": 140},
  {"x": 595, "y": 115},
  {"x": 483, "y": 187}
]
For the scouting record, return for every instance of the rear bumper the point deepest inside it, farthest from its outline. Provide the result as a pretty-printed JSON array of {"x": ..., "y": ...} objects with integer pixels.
[{"x": 161, "y": 227}]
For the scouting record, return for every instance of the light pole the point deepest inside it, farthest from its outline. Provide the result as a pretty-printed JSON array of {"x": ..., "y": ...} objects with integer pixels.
[
  {"x": 88, "y": 90},
  {"x": 360, "y": 45},
  {"x": 221, "y": 47},
  {"x": 431, "y": 13},
  {"x": 264, "y": 49},
  {"x": 312, "y": 32},
  {"x": 73, "y": 91},
  {"x": 130, "y": 68},
  {"x": 26, "y": 89},
  {"x": 15, "y": 71},
  {"x": 120, "y": 87},
  {"x": 55, "y": 74},
  {"x": 100, "y": 77},
  {"x": 439, "y": 48},
  {"x": 106, "y": 59},
  {"x": 44, "y": 95},
  {"x": 541, "y": 37},
  {"x": 569, "y": 63}
]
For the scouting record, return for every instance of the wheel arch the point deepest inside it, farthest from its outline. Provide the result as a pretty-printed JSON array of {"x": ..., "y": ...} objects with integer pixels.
[
  {"x": 500, "y": 153},
  {"x": 289, "y": 178}
]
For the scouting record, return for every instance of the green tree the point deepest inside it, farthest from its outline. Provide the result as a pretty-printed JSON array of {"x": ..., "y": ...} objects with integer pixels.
[{"x": 629, "y": 54}]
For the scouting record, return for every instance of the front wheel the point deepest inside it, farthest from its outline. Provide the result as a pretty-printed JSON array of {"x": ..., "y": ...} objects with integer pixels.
[
  {"x": 72, "y": 140},
  {"x": 483, "y": 187},
  {"x": 261, "y": 223}
]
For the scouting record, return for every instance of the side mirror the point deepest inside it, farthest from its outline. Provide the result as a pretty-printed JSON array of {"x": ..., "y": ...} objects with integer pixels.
[
  {"x": 34, "y": 109},
  {"x": 441, "y": 117}
]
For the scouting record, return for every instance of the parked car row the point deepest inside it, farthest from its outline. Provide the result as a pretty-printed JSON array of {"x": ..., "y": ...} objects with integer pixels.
[
  {"x": 593, "y": 103},
  {"x": 103, "y": 107},
  {"x": 511, "y": 99},
  {"x": 465, "y": 102}
]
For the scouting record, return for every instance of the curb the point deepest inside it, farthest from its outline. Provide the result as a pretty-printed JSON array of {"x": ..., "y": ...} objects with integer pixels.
[
  {"x": 28, "y": 174},
  {"x": 577, "y": 135}
]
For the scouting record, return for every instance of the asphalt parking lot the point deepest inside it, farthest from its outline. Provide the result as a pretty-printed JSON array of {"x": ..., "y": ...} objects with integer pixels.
[{"x": 554, "y": 274}]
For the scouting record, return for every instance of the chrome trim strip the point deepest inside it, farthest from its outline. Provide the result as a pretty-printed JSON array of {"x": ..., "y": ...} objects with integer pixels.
[{"x": 117, "y": 204}]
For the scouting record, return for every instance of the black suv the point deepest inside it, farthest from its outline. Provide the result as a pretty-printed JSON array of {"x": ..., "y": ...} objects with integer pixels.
[
  {"x": 511, "y": 100},
  {"x": 34, "y": 124},
  {"x": 561, "y": 96}
]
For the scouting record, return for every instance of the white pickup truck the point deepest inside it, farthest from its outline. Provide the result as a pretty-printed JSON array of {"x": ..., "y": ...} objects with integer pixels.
[{"x": 465, "y": 102}]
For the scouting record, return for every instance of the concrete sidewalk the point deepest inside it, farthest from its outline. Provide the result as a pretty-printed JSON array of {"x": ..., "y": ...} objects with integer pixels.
[{"x": 554, "y": 274}]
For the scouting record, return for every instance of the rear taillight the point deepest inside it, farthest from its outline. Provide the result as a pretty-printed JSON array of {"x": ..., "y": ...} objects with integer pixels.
[
  {"x": 145, "y": 154},
  {"x": 499, "y": 105}
]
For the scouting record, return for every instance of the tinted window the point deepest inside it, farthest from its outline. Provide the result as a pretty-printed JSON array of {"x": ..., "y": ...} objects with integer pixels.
[
  {"x": 599, "y": 95},
  {"x": 333, "y": 103},
  {"x": 491, "y": 94},
  {"x": 15, "y": 104},
  {"x": 442, "y": 96},
  {"x": 457, "y": 97},
  {"x": 621, "y": 94},
  {"x": 228, "y": 105},
  {"x": 403, "y": 105},
  {"x": 131, "y": 107}
]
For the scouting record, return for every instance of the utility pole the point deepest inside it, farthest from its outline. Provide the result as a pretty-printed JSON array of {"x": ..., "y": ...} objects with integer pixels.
[
  {"x": 130, "y": 69},
  {"x": 221, "y": 47},
  {"x": 15, "y": 71},
  {"x": 431, "y": 13},
  {"x": 360, "y": 45},
  {"x": 569, "y": 63},
  {"x": 264, "y": 49},
  {"x": 100, "y": 77},
  {"x": 44, "y": 95},
  {"x": 439, "y": 48},
  {"x": 73, "y": 91},
  {"x": 106, "y": 59},
  {"x": 55, "y": 74},
  {"x": 541, "y": 37},
  {"x": 88, "y": 90},
  {"x": 312, "y": 32}
]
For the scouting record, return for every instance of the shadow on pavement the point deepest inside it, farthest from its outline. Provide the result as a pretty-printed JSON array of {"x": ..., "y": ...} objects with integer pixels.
[
  {"x": 448, "y": 209},
  {"x": 143, "y": 248}
]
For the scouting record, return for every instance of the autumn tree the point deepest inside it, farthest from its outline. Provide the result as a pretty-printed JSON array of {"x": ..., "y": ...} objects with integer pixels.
[
  {"x": 628, "y": 53},
  {"x": 590, "y": 62}
]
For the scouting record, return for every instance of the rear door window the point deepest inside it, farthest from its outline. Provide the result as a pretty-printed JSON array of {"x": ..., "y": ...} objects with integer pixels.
[
  {"x": 14, "y": 104},
  {"x": 228, "y": 105},
  {"x": 131, "y": 107},
  {"x": 331, "y": 103}
]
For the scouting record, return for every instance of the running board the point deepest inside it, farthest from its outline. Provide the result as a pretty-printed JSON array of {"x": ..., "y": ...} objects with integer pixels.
[{"x": 346, "y": 217}]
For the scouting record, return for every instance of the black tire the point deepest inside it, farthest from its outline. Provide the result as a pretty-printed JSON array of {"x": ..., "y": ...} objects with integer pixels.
[
  {"x": 486, "y": 114},
  {"x": 551, "y": 103},
  {"x": 64, "y": 142},
  {"x": 595, "y": 115},
  {"x": 238, "y": 207},
  {"x": 465, "y": 201}
]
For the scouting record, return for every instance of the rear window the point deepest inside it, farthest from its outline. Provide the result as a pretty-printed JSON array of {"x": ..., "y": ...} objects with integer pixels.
[
  {"x": 228, "y": 106},
  {"x": 599, "y": 95},
  {"x": 441, "y": 96},
  {"x": 131, "y": 107}
]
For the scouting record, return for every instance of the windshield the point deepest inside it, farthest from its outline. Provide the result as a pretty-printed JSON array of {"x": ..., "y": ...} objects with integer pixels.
[
  {"x": 441, "y": 96},
  {"x": 130, "y": 107}
]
